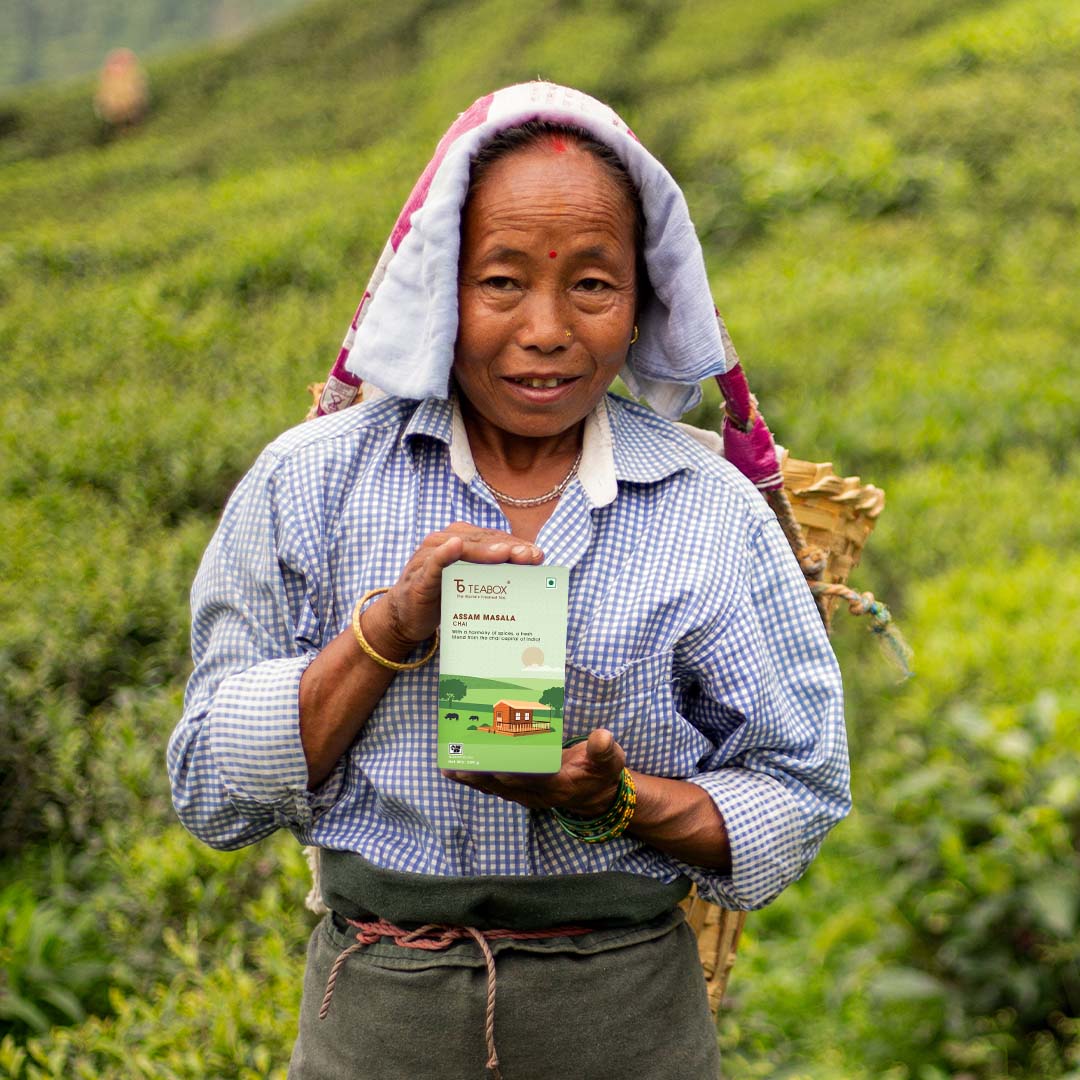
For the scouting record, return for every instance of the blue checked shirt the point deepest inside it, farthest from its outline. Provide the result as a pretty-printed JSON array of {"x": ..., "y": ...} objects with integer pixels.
[{"x": 692, "y": 636}]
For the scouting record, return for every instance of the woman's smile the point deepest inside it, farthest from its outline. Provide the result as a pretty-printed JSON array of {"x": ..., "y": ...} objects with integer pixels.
[
  {"x": 541, "y": 390},
  {"x": 538, "y": 383}
]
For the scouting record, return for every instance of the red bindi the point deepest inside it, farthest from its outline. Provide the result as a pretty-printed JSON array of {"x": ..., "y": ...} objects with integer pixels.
[{"x": 552, "y": 254}]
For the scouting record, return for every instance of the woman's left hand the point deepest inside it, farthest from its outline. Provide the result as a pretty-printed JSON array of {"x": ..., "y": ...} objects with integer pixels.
[
  {"x": 674, "y": 816},
  {"x": 586, "y": 784}
]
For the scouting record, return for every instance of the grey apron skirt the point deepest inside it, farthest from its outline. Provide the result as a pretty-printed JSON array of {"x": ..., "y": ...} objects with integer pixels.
[{"x": 618, "y": 1001}]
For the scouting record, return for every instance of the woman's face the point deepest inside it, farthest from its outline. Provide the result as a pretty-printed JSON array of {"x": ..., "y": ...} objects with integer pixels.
[{"x": 546, "y": 294}]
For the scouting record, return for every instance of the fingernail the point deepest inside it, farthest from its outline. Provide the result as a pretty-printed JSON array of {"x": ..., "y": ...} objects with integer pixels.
[
  {"x": 498, "y": 547},
  {"x": 520, "y": 549}
]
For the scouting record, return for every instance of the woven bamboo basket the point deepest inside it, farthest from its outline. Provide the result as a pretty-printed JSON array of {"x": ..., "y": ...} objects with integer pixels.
[
  {"x": 835, "y": 514},
  {"x": 834, "y": 517}
]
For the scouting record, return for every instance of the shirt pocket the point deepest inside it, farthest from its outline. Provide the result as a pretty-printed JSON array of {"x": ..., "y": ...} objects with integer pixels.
[{"x": 636, "y": 703}]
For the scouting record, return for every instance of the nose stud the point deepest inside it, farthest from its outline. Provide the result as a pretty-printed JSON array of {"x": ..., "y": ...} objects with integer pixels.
[{"x": 569, "y": 333}]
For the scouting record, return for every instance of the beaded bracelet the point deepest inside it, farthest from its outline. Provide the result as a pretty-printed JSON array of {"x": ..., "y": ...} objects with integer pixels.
[
  {"x": 382, "y": 661},
  {"x": 613, "y": 822}
]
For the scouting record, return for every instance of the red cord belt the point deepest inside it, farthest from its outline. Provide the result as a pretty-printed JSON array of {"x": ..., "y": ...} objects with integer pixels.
[{"x": 436, "y": 936}]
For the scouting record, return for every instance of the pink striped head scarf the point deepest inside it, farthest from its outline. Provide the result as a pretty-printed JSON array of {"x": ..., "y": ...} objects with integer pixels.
[{"x": 402, "y": 337}]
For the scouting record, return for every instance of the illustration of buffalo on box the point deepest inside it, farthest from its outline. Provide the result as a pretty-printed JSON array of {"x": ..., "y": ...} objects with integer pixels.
[{"x": 517, "y": 718}]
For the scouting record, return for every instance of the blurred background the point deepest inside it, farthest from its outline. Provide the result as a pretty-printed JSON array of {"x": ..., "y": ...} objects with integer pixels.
[{"x": 888, "y": 197}]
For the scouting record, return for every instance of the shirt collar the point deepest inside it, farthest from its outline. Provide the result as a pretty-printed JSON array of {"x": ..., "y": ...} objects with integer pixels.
[
  {"x": 638, "y": 456},
  {"x": 432, "y": 417},
  {"x": 646, "y": 448}
]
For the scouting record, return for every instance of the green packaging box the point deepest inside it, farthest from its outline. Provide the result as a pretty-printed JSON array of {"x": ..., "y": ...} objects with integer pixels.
[{"x": 502, "y": 667}]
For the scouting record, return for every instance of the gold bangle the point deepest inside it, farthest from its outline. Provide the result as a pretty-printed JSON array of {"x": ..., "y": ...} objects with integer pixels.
[{"x": 362, "y": 641}]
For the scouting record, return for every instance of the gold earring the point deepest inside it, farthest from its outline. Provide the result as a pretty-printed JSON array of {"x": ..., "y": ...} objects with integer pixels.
[{"x": 634, "y": 338}]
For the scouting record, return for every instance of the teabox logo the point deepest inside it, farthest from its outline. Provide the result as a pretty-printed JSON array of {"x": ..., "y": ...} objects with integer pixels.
[{"x": 464, "y": 586}]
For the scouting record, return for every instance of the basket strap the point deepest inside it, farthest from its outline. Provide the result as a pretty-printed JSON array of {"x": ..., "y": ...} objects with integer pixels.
[
  {"x": 738, "y": 400},
  {"x": 749, "y": 446},
  {"x": 748, "y": 443}
]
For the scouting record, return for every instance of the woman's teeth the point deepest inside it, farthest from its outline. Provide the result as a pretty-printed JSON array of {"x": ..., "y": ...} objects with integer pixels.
[{"x": 538, "y": 384}]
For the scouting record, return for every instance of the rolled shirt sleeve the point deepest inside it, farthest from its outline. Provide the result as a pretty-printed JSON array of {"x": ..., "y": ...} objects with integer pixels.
[
  {"x": 236, "y": 762},
  {"x": 779, "y": 774}
]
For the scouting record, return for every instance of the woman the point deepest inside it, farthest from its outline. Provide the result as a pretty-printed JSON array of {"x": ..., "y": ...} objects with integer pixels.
[{"x": 542, "y": 253}]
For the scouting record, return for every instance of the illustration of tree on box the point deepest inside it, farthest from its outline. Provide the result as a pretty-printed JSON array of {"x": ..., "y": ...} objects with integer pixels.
[
  {"x": 452, "y": 689},
  {"x": 552, "y": 697}
]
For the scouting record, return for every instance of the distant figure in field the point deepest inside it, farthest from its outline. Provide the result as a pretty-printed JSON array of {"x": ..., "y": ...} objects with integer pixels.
[{"x": 123, "y": 93}]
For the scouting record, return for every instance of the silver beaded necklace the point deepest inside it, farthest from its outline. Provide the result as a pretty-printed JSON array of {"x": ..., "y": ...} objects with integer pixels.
[{"x": 537, "y": 500}]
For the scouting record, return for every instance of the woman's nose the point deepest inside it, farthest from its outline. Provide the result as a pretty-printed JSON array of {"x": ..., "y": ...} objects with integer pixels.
[{"x": 546, "y": 323}]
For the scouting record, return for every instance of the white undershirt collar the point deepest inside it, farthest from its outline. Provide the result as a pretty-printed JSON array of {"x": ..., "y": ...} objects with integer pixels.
[{"x": 596, "y": 472}]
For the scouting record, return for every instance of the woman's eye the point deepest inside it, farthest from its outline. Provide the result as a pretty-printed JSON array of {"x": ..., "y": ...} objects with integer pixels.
[
  {"x": 500, "y": 283},
  {"x": 591, "y": 284}
]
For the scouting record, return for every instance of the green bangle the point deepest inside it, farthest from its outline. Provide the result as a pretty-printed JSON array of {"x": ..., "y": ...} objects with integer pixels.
[{"x": 608, "y": 825}]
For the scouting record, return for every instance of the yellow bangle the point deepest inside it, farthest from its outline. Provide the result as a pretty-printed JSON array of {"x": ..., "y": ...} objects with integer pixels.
[{"x": 362, "y": 641}]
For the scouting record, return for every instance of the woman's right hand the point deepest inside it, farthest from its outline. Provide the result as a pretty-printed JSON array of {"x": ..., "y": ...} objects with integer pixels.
[
  {"x": 409, "y": 613},
  {"x": 342, "y": 686}
]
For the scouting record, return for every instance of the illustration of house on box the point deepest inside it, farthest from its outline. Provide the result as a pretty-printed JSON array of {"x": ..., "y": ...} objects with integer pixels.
[{"x": 519, "y": 718}]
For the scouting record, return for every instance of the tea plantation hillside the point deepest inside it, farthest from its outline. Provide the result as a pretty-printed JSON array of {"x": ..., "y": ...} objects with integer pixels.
[
  {"x": 889, "y": 197},
  {"x": 56, "y": 39}
]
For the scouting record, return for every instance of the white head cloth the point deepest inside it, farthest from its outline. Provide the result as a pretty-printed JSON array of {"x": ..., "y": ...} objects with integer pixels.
[{"x": 402, "y": 337}]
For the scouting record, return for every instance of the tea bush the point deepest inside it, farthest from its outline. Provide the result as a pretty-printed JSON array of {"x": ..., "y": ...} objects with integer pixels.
[
  {"x": 977, "y": 839},
  {"x": 224, "y": 928},
  {"x": 54, "y": 963}
]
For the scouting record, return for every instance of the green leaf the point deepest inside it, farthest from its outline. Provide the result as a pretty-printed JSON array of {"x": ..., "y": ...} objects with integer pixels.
[
  {"x": 1063, "y": 792},
  {"x": 65, "y": 1003},
  {"x": 14, "y": 1007},
  {"x": 896, "y": 984},
  {"x": 1055, "y": 901}
]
